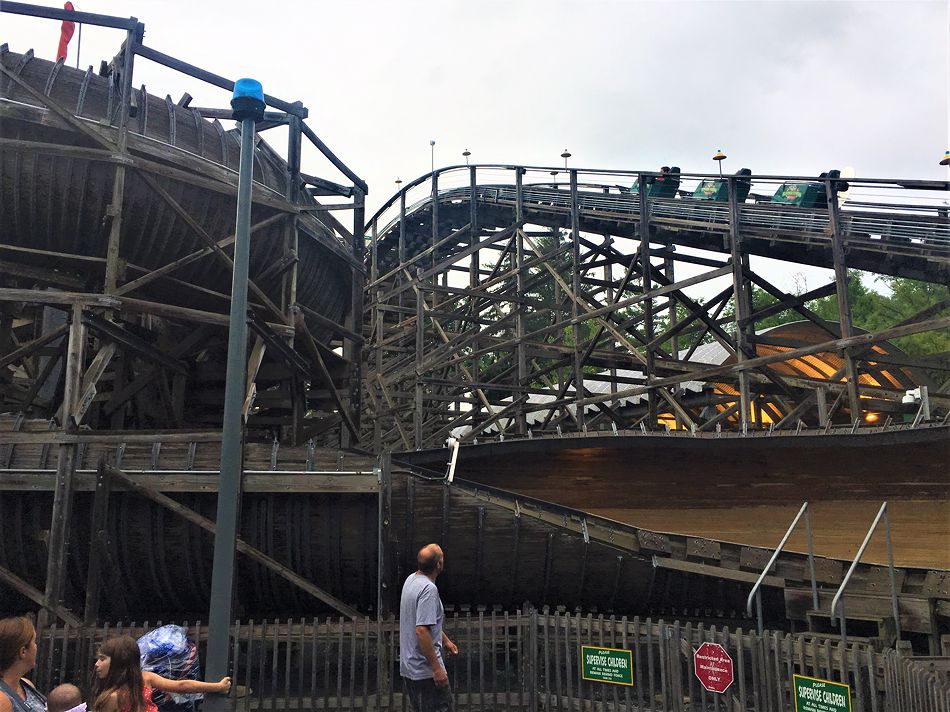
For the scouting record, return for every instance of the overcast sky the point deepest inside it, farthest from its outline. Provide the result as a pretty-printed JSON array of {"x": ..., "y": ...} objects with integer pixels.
[{"x": 781, "y": 87}]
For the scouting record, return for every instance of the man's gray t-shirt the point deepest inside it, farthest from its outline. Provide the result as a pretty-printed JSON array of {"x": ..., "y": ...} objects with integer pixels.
[{"x": 419, "y": 605}]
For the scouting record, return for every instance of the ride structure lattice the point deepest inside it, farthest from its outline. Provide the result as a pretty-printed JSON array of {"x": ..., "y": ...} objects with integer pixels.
[
  {"x": 117, "y": 218},
  {"x": 502, "y": 303}
]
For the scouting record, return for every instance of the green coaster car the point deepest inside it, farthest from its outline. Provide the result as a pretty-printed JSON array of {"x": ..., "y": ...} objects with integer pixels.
[
  {"x": 718, "y": 188},
  {"x": 664, "y": 185},
  {"x": 808, "y": 195}
]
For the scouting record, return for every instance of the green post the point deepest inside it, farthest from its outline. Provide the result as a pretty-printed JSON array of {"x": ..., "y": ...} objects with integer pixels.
[{"x": 248, "y": 105}]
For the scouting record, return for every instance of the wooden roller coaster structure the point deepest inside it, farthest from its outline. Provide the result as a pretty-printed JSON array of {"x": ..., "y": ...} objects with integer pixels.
[
  {"x": 117, "y": 212},
  {"x": 496, "y": 306}
]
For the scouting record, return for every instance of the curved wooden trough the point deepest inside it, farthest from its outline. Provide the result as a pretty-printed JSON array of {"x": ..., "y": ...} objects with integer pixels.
[
  {"x": 316, "y": 512},
  {"x": 125, "y": 209},
  {"x": 56, "y": 185}
]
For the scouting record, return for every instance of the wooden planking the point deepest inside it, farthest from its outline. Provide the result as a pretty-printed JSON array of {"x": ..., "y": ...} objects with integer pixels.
[{"x": 304, "y": 483}]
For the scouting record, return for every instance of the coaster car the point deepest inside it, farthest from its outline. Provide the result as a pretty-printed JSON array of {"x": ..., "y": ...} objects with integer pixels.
[
  {"x": 718, "y": 188},
  {"x": 808, "y": 195}
]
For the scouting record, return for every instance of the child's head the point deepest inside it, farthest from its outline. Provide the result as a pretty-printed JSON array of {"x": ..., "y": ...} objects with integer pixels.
[
  {"x": 118, "y": 669},
  {"x": 63, "y": 698}
]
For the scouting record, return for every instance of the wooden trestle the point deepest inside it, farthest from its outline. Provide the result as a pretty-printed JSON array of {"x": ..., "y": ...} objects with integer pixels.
[{"x": 519, "y": 305}]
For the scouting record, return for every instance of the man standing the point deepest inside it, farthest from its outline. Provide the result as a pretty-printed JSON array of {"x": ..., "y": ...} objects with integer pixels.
[{"x": 421, "y": 638}]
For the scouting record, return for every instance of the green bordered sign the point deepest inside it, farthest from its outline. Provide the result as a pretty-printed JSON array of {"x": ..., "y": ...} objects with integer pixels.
[
  {"x": 814, "y": 695},
  {"x": 607, "y": 665}
]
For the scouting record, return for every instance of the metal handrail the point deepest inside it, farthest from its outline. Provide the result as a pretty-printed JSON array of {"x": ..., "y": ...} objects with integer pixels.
[
  {"x": 755, "y": 592},
  {"x": 892, "y": 224},
  {"x": 837, "y": 603},
  {"x": 915, "y": 184}
]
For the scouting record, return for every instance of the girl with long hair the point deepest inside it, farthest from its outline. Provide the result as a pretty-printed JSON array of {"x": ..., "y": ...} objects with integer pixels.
[
  {"x": 120, "y": 685},
  {"x": 17, "y": 658}
]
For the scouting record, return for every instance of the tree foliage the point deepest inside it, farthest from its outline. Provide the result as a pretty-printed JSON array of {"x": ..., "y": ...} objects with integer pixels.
[{"x": 874, "y": 310}]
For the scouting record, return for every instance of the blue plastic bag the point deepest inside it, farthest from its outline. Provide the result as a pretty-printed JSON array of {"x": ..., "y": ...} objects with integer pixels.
[{"x": 169, "y": 652}]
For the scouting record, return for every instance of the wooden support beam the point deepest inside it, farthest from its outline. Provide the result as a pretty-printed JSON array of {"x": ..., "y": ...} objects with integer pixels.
[
  {"x": 703, "y": 373},
  {"x": 39, "y": 274},
  {"x": 646, "y": 276},
  {"x": 122, "y": 394},
  {"x": 98, "y": 536},
  {"x": 56, "y": 298},
  {"x": 407, "y": 443},
  {"x": 210, "y": 241},
  {"x": 243, "y": 547},
  {"x": 30, "y": 347},
  {"x": 742, "y": 299},
  {"x": 129, "y": 341},
  {"x": 41, "y": 378},
  {"x": 127, "y": 304},
  {"x": 206, "y": 482},
  {"x": 329, "y": 324},
  {"x": 91, "y": 378},
  {"x": 35, "y": 595},
  {"x": 110, "y": 437},
  {"x": 167, "y": 269},
  {"x": 60, "y": 526},
  {"x": 693, "y": 567}
]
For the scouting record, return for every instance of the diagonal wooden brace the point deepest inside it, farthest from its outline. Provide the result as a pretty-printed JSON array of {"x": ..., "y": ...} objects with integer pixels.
[{"x": 243, "y": 547}]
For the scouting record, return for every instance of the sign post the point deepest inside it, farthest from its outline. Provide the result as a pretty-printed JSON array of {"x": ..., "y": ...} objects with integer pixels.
[
  {"x": 607, "y": 665},
  {"x": 815, "y": 695},
  {"x": 713, "y": 666}
]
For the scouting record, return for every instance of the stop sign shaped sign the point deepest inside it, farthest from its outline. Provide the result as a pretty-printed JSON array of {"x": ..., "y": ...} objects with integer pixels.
[{"x": 713, "y": 667}]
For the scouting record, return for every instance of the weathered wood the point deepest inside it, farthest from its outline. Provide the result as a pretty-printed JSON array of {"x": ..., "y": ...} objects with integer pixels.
[
  {"x": 91, "y": 378},
  {"x": 190, "y": 258},
  {"x": 97, "y": 543},
  {"x": 42, "y": 275},
  {"x": 28, "y": 348},
  {"x": 186, "y": 313},
  {"x": 108, "y": 437},
  {"x": 210, "y": 241},
  {"x": 35, "y": 595},
  {"x": 121, "y": 395},
  {"x": 325, "y": 376},
  {"x": 315, "y": 482},
  {"x": 35, "y": 296},
  {"x": 716, "y": 571},
  {"x": 242, "y": 547}
]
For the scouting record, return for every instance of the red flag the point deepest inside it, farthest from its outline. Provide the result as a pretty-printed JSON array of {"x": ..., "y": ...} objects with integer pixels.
[{"x": 65, "y": 34}]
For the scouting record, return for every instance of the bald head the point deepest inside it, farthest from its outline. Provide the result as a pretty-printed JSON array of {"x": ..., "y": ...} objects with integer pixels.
[
  {"x": 63, "y": 697},
  {"x": 429, "y": 559}
]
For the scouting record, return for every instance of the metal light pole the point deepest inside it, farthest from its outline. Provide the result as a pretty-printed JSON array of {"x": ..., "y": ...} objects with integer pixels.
[
  {"x": 719, "y": 157},
  {"x": 466, "y": 153},
  {"x": 248, "y": 106},
  {"x": 432, "y": 153},
  {"x": 565, "y": 156}
]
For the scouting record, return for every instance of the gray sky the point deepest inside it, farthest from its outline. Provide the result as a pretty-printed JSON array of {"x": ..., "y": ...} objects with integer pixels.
[{"x": 781, "y": 87}]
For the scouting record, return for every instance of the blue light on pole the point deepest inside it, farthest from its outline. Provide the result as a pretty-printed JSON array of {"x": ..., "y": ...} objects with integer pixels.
[
  {"x": 248, "y": 108},
  {"x": 248, "y": 100}
]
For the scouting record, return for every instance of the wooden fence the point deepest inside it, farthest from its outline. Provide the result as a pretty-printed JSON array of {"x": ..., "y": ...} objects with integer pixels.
[{"x": 530, "y": 660}]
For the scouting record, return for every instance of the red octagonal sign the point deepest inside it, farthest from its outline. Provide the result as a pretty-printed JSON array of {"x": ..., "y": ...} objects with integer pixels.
[{"x": 713, "y": 667}]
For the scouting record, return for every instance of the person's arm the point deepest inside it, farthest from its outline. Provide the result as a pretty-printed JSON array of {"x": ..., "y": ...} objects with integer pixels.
[
  {"x": 451, "y": 647},
  {"x": 185, "y": 687},
  {"x": 5, "y": 704},
  {"x": 424, "y": 635}
]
